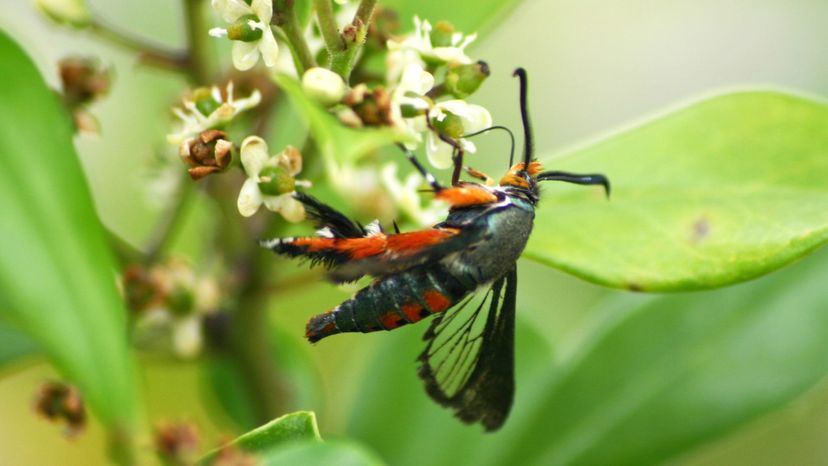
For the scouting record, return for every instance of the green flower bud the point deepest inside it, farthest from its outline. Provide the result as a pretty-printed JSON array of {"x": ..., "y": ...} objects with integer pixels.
[
  {"x": 71, "y": 12},
  {"x": 464, "y": 80},
  {"x": 411, "y": 111},
  {"x": 441, "y": 34},
  {"x": 275, "y": 181},
  {"x": 204, "y": 101},
  {"x": 180, "y": 301},
  {"x": 243, "y": 31},
  {"x": 451, "y": 125}
]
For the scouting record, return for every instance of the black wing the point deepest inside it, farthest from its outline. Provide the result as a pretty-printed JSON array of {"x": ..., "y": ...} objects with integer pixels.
[
  {"x": 325, "y": 216},
  {"x": 468, "y": 363}
]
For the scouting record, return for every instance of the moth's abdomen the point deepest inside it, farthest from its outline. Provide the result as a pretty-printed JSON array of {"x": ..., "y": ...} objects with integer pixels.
[{"x": 392, "y": 302}]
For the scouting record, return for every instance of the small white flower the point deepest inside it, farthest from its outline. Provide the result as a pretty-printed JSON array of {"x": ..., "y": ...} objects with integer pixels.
[
  {"x": 323, "y": 85},
  {"x": 409, "y": 96},
  {"x": 249, "y": 30},
  {"x": 270, "y": 180},
  {"x": 417, "y": 47},
  {"x": 473, "y": 118},
  {"x": 195, "y": 121},
  {"x": 407, "y": 198}
]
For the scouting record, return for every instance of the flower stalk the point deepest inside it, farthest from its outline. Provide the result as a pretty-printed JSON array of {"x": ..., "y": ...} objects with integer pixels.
[{"x": 285, "y": 18}]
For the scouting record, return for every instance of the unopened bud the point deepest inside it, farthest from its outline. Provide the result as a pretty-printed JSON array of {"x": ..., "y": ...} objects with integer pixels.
[
  {"x": 275, "y": 181},
  {"x": 70, "y": 12},
  {"x": 82, "y": 80},
  {"x": 59, "y": 402},
  {"x": 140, "y": 290},
  {"x": 442, "y": 34},
  {"x": 244, "y": 29},
  {"x": 177, "y": 443},
  {"x": 323, "y": 85},
  {"x": 464, "y": 80},
  {"x": 449, "y": 124}
]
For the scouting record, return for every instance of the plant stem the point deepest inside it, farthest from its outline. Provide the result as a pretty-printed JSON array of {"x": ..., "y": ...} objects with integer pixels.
[
  {"x": 328, "y": 27},
  {"x": 148, "y": 54},
  {"x": 342, "y": 62},
  {"x": 251, "y": 348},
  {"x": 251, "y": 343},
  {"x": 169, "y": 224},
  {"x": 365, "y": 10},
  {"x": 197, "y": 36},
  {"x": 285, "y": 18}
]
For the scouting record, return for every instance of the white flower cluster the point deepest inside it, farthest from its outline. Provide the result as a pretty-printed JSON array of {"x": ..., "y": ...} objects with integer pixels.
[{"x": 406, "y": 63}]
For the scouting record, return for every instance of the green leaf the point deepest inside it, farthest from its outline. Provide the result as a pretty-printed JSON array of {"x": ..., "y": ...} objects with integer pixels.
[
  {"x": 337, "y": 453},
  {"x": 300, "y": 425},
  {"x": 674, "y": 372},
  {"x": 646, "y": 380},
  {"x": 722, "y": 191},
  {"x": 14, "y": 346},
  {"x": 57, "y": 281},
  {"x": 338, "y": 143},
  {"x": 467, "y": 16},
  {"x": 294, "y": 439}
]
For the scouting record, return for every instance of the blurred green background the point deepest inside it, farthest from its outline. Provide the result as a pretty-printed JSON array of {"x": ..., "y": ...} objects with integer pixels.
[{"x": 595, "y": 66}]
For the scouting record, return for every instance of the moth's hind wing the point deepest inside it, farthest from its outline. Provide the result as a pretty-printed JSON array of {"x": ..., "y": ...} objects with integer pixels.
[{"x": 468, "y": 362}]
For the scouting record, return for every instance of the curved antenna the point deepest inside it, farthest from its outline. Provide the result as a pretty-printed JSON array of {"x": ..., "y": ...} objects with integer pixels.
[
  {"x": 511, "y": 136},
  {"x": 524, "y": 115}
]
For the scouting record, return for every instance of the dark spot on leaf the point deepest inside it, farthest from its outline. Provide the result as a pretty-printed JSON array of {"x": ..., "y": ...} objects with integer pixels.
[
  {"x": 632, "y": 286},
  {"x": 700, "y": 230}
]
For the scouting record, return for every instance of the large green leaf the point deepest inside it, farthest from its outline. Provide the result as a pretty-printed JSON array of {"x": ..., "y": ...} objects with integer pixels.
[
  {"x": 338, "y": 453},
  {"x": 338, "y": 143},
  {"x": 719, "y": 192},
  {"x": 681, "y": 370},
  {"x": 294, "y": 439},
  {"x": 57, "y": 281},
  {"x": 467, "y": 16},
  {"x": 13, "y": 345},
  {"x": 646, "y": 380}
]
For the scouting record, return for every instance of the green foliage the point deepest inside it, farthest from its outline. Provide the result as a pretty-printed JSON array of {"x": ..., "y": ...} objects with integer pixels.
[
  {"x": 339, "y": 453},
  {"x": 13, "y": 345},
  {"x": 56, "y": 273},
  {"x": 719, "y": 192},
  {"x": 651, "y": 379},
  {"x": 294, "y": 439}
]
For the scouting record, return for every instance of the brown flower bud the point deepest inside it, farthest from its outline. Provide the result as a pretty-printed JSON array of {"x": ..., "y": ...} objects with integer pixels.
[
  {"x": 83, "y": 80},
  {"x": 373, "y": 107},
  {"x": 60, "y": 402},
  {"x": 206, "y": 154},
  {"x": 176, "y": 443},
  {"x": 141, "y": 290}
]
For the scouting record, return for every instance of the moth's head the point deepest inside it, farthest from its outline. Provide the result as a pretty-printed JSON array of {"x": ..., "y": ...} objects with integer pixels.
[{"x": 519, "y": 176}]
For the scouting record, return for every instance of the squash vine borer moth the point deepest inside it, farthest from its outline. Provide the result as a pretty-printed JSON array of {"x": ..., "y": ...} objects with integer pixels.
[{"x": 468, "y": 362}]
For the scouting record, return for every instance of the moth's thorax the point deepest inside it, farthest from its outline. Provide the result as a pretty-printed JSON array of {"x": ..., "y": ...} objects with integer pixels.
[{"x": 506, "y": 226}]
